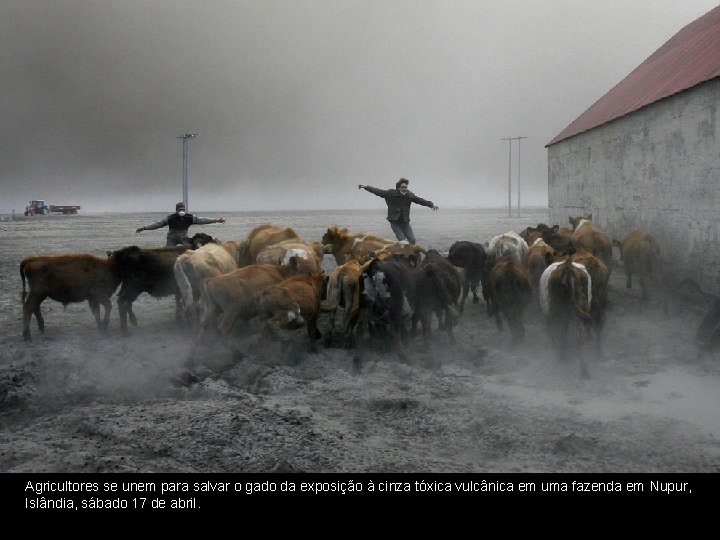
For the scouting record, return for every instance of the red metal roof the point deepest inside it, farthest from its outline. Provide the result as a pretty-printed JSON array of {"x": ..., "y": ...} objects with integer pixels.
[{"x": 690, "y": 57}]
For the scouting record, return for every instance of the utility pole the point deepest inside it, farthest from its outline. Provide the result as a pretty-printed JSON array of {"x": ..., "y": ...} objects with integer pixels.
[
  {"x": 519, "y": 140},
  {"x": 509, "y": 140},
  {"x": 186, "y": 139}
]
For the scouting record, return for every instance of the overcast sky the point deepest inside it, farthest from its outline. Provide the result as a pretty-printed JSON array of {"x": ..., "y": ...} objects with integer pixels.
[{"x": 297, "y": 102}]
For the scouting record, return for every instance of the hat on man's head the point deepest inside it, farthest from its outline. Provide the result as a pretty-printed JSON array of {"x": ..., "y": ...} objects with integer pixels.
[{"x": 180, "y": 205}]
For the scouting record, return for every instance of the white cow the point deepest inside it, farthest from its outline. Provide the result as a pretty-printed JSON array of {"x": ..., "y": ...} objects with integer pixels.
[
  {"x": 509, "y": 242},
  {"x": 190, "y": 267}
]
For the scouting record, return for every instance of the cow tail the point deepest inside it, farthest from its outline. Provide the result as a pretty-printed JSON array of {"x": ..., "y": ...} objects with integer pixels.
[
  {"x": 205, "y": 301},
  {"x": 649, "y": 259},
  {"x": 581, "y": 313},
  {"x": 439, "y": 287},
  {"x": 22, "y": 276},
  {"x": 183, "y": 284},
  {"x": 521, "y": 286},
  {"x": 244, "y": 254}
]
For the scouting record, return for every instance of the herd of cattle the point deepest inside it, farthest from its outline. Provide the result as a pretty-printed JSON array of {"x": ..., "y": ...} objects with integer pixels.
[{"x": 380, "y": 289}]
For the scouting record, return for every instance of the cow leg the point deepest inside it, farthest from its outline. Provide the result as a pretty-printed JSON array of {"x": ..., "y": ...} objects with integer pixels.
[
  {"x": 27, "y": 313},
  {"x": 583, "y": 334},
  {"x": 414, "y": 322},
  {"x": 179, "y": 316},
  {"x": 557, "y": 329},
  {"x": 449, "y": 323},
  {"x": 517, "y": 331},
  {"x": 124, "y": 302},
  {"x": 358, "y": 326},
  {"x": 496, "y": 313},
  {"x": 95, "y": 308},
  {"x": 426, "y": 325},
  {"x": 396, "y": 327},
  {"x": 30, "y": 306},
  {"x": 474, "y": 289},
  {"x": 628, "y": 283},
  {"x": 312, "y": 332},
  {"x": 123, "y": 314},
  {"x": 486, "y": 297},
  {"x": 228, "y": 319},
  {"x": 107, "y": 306},
  {"x": 465, "y": 292},
  {"x": 39, "y": 317},
  {"x": 401, "y": 353},
  {"x": 644, "y": 286}
]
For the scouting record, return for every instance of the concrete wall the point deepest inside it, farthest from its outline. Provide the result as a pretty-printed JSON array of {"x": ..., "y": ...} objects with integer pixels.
[{"x": 656, "y": 170}]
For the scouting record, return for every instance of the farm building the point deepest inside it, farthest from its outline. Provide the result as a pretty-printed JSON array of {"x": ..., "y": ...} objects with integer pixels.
[{"x": 647, "y": 154}]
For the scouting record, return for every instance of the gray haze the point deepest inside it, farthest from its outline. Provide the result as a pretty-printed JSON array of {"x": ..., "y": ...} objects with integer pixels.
[{"x": 296, "y": 102}]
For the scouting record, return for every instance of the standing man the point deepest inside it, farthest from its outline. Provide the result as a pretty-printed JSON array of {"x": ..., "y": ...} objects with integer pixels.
[
  {"x": 178, "y": 225},
  {"x": 398, "y": 201}
]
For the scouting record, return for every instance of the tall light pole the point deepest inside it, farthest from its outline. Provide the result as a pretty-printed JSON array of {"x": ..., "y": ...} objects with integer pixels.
[
  {"x": 509, "y": 140},
  {"x": 186, "y": 139}
]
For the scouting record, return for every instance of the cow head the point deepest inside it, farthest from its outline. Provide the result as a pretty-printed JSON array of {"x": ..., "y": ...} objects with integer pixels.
[
  {"x": 332, "y": 235},
  {"x": 575, "y": 221},
  {"x": 201, "y": 239}
]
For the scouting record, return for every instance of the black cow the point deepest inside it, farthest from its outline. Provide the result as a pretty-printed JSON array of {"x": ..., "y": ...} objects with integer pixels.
[
  {"x": 149, "y": 270},
  {"x": 438, "y": 284},
  {"x": 470, "y": 256},
  {"x": 386, "y": 292}
]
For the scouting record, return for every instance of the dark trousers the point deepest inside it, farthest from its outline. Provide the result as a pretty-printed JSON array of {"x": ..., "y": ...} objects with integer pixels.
[
  {"x": 403, "y": 231},
  {"x": 176, "y": 240}
]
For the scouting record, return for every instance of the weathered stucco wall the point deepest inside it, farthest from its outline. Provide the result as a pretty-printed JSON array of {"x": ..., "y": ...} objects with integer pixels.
[{"x": 656, "y": 170}]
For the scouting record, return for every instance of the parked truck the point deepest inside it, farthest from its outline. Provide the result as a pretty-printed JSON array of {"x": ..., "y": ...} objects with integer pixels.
[{"x": 39, "y": 208}]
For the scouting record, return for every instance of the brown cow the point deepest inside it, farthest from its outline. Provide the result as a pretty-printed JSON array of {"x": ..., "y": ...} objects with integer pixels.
[
  {"x": 342, "y": 301},
  {"x": 345, "y": 246},
  {"x": 586, "y": 235},
  {"x": 566, "y": 296},
  {"x": 640, "y": 254},
  {"x": 600, "y": 276},
  {"x": 539, "y": 256},
  {"x": 309, "y": 256},
  {"x": 508, "y": 292},
  {"x": 261, "y": 237},
  {"x": 411, "y": 254},
  {"x": 232, "y": 296},
  {"x": 293, "y": 303},
  {"x": 67, "y": 279}
]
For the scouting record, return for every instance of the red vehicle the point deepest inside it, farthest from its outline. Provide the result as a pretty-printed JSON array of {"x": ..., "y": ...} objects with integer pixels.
[{"x": 39, "y": 208}]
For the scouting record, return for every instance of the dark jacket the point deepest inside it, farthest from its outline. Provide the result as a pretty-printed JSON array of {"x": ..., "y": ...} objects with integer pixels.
[
  {"x": 397, "y": 203},
  {"x": 179, "y": 225}
]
